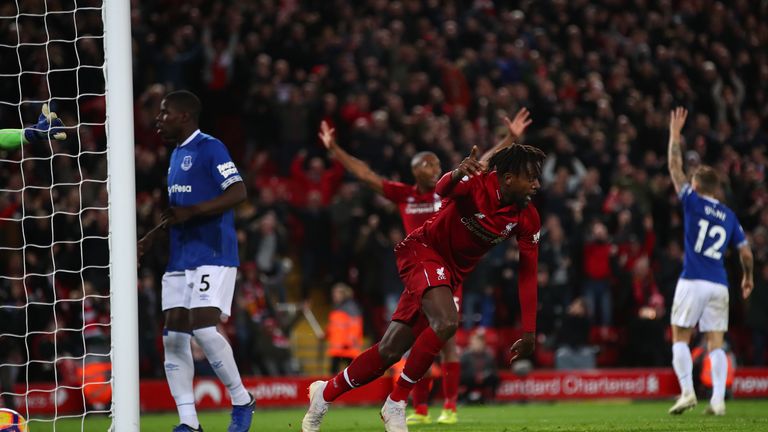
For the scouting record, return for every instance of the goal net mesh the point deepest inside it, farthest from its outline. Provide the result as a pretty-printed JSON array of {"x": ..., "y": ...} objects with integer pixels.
[{"x": 54, "y": 224}]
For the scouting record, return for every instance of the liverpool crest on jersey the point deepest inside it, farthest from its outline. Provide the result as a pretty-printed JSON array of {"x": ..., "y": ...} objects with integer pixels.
[
  {"x": 186, "y": 163},
  {"x": 508, "y": 229}
]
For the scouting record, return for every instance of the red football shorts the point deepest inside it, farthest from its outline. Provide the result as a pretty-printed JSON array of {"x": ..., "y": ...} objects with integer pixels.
[{"x": 420, "y": 268}]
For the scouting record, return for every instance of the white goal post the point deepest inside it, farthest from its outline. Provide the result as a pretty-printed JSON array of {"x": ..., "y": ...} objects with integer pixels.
[{"x": 122, "y": 215}]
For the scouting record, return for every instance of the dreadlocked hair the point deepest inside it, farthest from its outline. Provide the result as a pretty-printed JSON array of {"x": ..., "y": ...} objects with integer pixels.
[{"x": 518, "y": 159}]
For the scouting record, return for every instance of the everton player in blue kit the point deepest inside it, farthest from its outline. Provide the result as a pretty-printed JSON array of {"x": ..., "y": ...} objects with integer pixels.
[
  {"x": 203, "y": 188},
  {"x": 701, "y": 295}
]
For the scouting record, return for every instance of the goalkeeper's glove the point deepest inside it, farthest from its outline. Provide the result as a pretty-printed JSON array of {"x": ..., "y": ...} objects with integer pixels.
[{"x": 49, "y": 125}]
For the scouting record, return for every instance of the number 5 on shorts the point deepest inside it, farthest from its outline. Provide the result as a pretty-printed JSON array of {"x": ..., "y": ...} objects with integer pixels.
[{"x": 203, "y": 281}]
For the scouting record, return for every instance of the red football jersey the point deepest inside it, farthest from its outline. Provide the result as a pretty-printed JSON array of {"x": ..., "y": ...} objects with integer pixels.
[
  {"x": 415, "y": 207},
  {"x": 472, "y": 221}
]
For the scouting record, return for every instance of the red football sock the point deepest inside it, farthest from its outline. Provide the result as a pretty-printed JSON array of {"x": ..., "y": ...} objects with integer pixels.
[
  {"x": 364, "y": 368},
  {"x": 421, "y": 395},
  {"x": 450, "y": 384},
  {"x": 423, "y": 353}
]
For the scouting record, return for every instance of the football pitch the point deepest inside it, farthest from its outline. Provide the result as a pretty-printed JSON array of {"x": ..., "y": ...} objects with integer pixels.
[{"x": 746, "y": 416}]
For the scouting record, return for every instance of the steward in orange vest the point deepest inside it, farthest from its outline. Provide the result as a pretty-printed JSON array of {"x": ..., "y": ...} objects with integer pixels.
[
  {"x": 700, "y": 358},
  {"x": 97, "y": 389},
  {"x": 345, "y": 328}
]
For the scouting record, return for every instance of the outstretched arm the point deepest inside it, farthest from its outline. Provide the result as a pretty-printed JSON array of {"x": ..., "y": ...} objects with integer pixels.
[
  {"x": 358, "y": 168},
  {"x": 675, "y": 156},
  {"x": 747, "y": 265},
  {"x": 516, "y": 128},
  {"x": 48, "y": 125}
]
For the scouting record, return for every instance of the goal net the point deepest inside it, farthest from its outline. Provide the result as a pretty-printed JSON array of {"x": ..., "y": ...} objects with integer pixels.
[{"x": 60, "y": 262}]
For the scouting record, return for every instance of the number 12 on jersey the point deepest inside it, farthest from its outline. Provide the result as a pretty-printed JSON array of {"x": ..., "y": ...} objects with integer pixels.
[{"x": 715, "y": 231}]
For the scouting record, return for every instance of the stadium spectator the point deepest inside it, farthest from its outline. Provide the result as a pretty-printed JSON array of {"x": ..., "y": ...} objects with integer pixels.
[
  {"x": 756, "y": 319},
  {"x": 316, "y": 242},
  {"x": 348, "y": 213},
  {"x": 344, "y": 332},
  {"x": 379, "y": 283},
  {"x": 267, "y": 241},
  {"x": 572, "y": 339},
  {"x": 254, "y": 306},
  {"x": 669, "y": 265},
  {"x": 479, "y": 305},
  {"x": 598, "y": 294},
  {"x": 479, "y": 375},
  {"x": 646, "y": 323},
  {"x": 555, "y": 259}
]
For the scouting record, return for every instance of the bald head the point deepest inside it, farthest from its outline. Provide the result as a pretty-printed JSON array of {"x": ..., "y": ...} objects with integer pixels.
[
  {"x": 426, "y": 170},
  {"x": 418, "y": 158}
]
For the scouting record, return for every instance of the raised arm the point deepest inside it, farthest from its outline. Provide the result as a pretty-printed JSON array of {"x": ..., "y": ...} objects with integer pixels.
[
  {"x": 516, "y": 128},
  {"x": 358, "y": 168},
  {"x": 675, "y": 155},
  {"x": 747, "y": 265},
  {"x": 449, "y": 184}
]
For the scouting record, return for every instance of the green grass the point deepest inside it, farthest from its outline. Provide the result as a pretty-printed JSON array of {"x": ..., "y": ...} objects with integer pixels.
[{"x": 746, "y": 416}]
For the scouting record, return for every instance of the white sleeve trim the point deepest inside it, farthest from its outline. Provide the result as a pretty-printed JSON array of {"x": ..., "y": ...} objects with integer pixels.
[
  {"x": 230, "y": 181},
  {"x": 685, "y": 190}
]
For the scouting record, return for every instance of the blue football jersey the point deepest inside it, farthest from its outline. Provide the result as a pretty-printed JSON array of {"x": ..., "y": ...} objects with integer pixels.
[
  {"x": 710, "y": 227},
  {"x": 201, "y": 169}
]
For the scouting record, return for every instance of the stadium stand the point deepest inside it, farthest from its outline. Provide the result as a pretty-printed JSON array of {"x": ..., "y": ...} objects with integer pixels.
[{"x": 399, "y": 77}]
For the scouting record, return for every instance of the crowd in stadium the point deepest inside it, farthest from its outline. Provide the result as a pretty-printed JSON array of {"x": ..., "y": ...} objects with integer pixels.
[{"x": 395, "y": 78}]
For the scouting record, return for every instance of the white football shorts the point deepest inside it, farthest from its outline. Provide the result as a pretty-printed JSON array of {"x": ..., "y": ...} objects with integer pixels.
[
  {"x": 702, "y": 302},
  {"x": 205, "y": 286}
]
